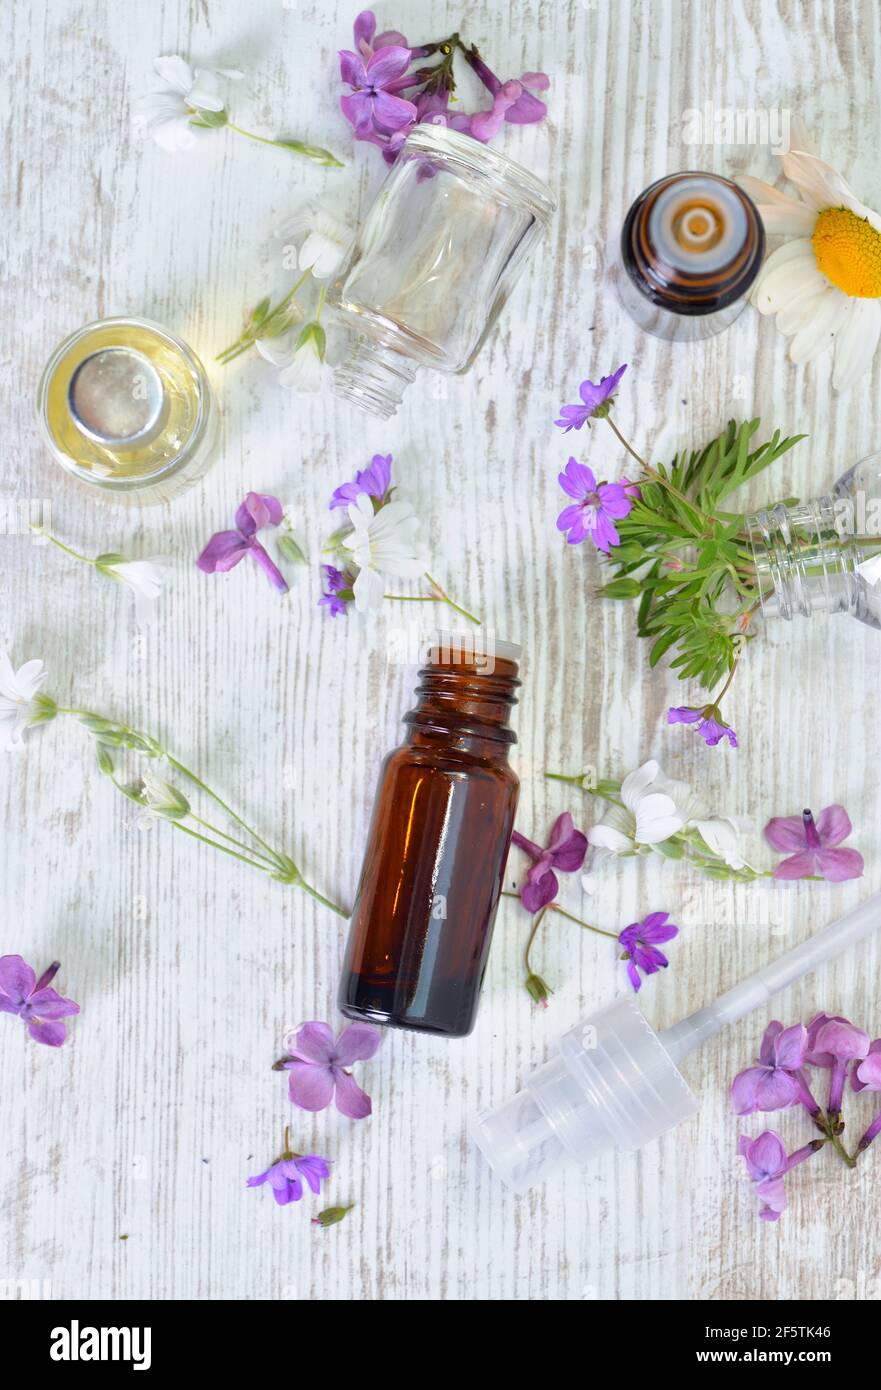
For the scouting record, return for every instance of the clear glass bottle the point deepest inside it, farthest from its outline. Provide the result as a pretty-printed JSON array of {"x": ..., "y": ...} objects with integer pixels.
[
  {"x": 436, "y": 850},
  {"x": 823, "y": 555},
  {"x": 433, "y": 263},
  {"x": 126, "y": 407},
  {"x": 692, "y": 245}
]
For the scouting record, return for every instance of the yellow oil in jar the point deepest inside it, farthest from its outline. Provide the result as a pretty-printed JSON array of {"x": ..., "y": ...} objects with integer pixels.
[{"x": 127, "y": 406}]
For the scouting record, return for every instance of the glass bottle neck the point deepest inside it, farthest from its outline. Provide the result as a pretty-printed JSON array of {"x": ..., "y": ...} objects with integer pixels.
[
  {"x": 807, "y": 559},
  {"x": 465, "y": 708}
]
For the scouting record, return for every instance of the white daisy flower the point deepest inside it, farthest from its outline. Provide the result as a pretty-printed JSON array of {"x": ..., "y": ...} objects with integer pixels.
[
  {"x": 382, "y": 543},
  {"x": 824, "y": 283},
  {"x": 18, "y": 706},
  {"x": 653, "y": 808},
  {"x": 166, "y": 115},
  {"x": 326, "y": 242}
]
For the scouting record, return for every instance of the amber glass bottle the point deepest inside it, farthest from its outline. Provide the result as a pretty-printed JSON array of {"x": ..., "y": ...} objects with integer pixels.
[{"x": 436, "y": 849}]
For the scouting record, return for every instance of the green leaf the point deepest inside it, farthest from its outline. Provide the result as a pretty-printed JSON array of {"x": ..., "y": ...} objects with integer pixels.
[
  {"x": 621, "y": 588},
  {"x": 104, "y": 760},
  {"x": 669, "y": 849}
]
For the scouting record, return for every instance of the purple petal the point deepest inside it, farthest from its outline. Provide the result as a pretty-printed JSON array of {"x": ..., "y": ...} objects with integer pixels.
[
  {"x": 315, "y": 1043},
  {"x": 867, "y": 1075},
  {"x": 836, "y": 865},
  {"x": 534, "y": 851},
  {"x": 350, "y": 1099},
  {"x": 744, "y": 1089},
  {"x": 258, "y": 510},
  {"x": 842, "y": 1040},
  {"x": 52, "y": 1034},
  {"x": 258, "y": 1180},
  {"x": 604, "y": 533},
  {"x": 798, "y": 866},
  {"x": 540, "y": 888},
  {"x": 17, "y": 979},
  {"x": 833, "y": 826},
  {"x": 572, "y": 516},
  {"x": 683, "y": 714},
  {"x": 577, "y": 480},
  {"x": 572, "y": 417},
  {"x": 789, "y": 1048},
  {"x": 633, "y": 975},
  {"x": 364, "y": 28},
  {"x": 357, "y": 107},
  {"x": 291, "y": 1192},
  {"x": 223, "y": 552},
  {"x": 357, "y": 1043},
  {"x": 8, "y": 1007},
  {"x": 594, "y": 395},
  {"x": 314, "y": 1169},
  {"x": 392, "y": 113},
  {"x": 658, "y": 935},
  {"x": 269, "y": 567},
  {"x": 768, "y": 1049},
  {"x": 765, "y": 1156},
  {"x": 785, "y": 833},
  {"x": 526, "y": 109},
  {"x": 389, "y": 63},
  {"x": 48, "y": 1003},
  {"x": 614, "y": 500},
  {"x": 352, "y": 69},
  {"x": 310, "y": 1085},
  {"x": 776, "y": 1090}
]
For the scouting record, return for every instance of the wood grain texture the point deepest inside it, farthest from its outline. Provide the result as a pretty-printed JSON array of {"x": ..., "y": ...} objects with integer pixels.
[{"x": 190, "y": 970}]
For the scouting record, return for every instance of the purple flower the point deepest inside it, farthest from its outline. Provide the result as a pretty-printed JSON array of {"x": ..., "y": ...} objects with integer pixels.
[
  {"x": 225, "y": 549},
  {"x": 565, "y": 851},
  {"x": 374, "y": 480},
  {"x": 373, "y": 106},
  {"x": 814, "y": 843},
  {"x": 596, "y": 400},
  {"x": 844, "y": 1043},
  {"x": 708, "y": 719},
  {"x": 317, "y": 1067},
  {"x": 338, "y": 582},
  {"x": 766, "y": 1163},
  {"x": 365, "y": 29},
  {"x": 776, "y": 1083},
  {"x": 596, "y": 508},
  {"x": 524, "y": 108},
  {"x": 641, "y": 941},
  {"x": 286, "y": 1173},
  {"x": 40, "y": 1007},
  {"x": 867, "y": 1077}
]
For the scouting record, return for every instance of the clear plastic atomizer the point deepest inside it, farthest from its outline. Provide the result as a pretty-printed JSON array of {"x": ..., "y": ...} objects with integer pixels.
[
  {"x": 614, "y": 1081},
  {"x": 433, "y": 263}
]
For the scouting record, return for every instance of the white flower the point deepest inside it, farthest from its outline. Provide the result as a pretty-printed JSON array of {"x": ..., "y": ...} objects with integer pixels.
[
  {"x": 654, "y": 808},
  {"x": 306, "y": 368},
  {"x": 386, "y": 542},
  {"x": 326, "y": 242},
  {"x": 18, "y": 708},
  {"x": 161, "y": 800},
  {"x": 166, "y": 115},
  {"x": 143, "y": 577},
  {"x": 721, "y": 834},
  {"x": 871, "y": 569},
  {"x": 824, "y": 284}
]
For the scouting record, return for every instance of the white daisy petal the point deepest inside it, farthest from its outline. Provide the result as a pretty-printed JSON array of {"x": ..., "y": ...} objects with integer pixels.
[
  {"x": 780, "y": 214},
  {"x": 800, "y": 137},
  {"x": 797, "y": 313},
  {"x": 786, "y": 277},
  {"x": 856, "y": 342},
  {"x": 818, "y": 331}
]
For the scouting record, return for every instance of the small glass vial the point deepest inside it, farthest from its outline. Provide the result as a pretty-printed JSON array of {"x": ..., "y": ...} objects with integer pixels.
[
  {"x": 433, "y": 263},
  {"x": 436, "y": 850},
  {"x": 692, "y": 245},
  {"x": 126, "y": 407},
  {"x": 824, "y": 555}
]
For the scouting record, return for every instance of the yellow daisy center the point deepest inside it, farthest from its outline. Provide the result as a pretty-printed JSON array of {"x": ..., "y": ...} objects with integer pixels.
[{"x": 848, "y": 251}]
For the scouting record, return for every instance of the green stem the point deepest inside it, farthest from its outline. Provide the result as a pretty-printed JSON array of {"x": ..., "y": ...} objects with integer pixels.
[
  {"x": 539, "y": 918},
  {"x": 215, "y": 830},
  {"x": 74, "y": 554},
  {"x": 629, "y": 447},
  {"x": 589, "y": 926},
  {"x": 248, "y": 337},
  {"x": 197, "y": 782},
  {"x": 446, "y": 599},
  {"x": 215, "y": 844}
]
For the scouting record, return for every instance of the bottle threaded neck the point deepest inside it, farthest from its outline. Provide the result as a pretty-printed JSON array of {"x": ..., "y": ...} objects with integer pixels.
[
  {"x": 804, "y": 562},
  {"x": 374, "y": 378},
  {"x": 465, "y": 700}
]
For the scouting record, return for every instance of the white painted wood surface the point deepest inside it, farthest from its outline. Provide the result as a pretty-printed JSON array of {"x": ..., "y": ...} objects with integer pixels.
[{"x": 124, "y": 1155}]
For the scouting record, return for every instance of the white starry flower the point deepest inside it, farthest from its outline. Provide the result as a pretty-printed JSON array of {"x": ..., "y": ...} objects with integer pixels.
[
  {"x": 326, "y": 240},
  {"x": 166, "y": 115},
  {"x": 143, "y": 578},
  {"x": 19, "y": 705},
  {"x": 383, "y": 543}
]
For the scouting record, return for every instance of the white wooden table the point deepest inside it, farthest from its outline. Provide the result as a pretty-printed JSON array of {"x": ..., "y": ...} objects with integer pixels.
[{"x": 124, "y": 1155}]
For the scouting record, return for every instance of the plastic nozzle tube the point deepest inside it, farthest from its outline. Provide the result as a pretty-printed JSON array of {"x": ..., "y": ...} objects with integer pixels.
[
  {"x": 613, "y": 1082},
  {"x": 757, "y": 989}
]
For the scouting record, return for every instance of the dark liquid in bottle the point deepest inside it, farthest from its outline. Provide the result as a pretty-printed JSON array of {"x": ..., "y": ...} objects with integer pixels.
[{"x": 436, "y": 853}]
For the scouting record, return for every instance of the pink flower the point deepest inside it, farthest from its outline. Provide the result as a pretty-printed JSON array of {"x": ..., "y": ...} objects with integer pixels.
[
  {"x": 40, "y": 1007},
  {"x": 766, "y": 1162},
  {"x": 317, "y": 1067},
  {"x": 867, "y": 1076},
  {"x": 596, "y": 508},
  {"x": 522, "y": 107},
  {"x": 225, "y": 549},
  {"x": 843, "y": 1043},
  {"x": 814, "y": 843},
  {"x": 565, "y": 850},
  {"x": 367, "y": 41}
]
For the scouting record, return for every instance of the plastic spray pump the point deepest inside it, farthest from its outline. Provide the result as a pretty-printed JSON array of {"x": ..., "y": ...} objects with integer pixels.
[{"x": 615, "y": 1082}]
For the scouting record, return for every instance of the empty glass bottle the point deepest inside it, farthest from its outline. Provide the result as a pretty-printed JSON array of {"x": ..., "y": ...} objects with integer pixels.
[
  {"x": 823, "y": 555},
  {"x": 436, "y": 849},
  {"x": 434, "y": 261}
]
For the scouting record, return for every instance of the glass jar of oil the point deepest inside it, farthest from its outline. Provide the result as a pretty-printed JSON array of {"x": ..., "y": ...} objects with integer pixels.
[{"x": 126, "y": 407}]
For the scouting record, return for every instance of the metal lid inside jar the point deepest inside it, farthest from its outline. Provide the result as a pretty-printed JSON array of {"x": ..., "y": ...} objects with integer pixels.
[{"x": 117, "y": 399}]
